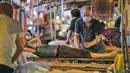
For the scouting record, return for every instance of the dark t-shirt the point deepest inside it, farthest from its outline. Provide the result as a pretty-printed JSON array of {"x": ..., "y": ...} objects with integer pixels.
[
  {"x": 89, "y": 34},
  {"x": 118, "y": 22},
  {"x": 72, "y": 25}
]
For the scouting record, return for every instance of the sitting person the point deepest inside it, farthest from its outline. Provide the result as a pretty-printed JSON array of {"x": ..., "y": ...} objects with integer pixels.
[{"x": 111, "y": 38}]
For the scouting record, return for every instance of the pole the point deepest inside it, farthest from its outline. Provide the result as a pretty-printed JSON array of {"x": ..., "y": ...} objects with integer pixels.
[
  {"x": 126, "y": 24},
  {"x": 54, "y": 21},
  {"x": 31, "y": 16},
  {"x": 50, "y": 9},
  {"x": 126, "y": 34},
  {"x": 124, "y": 43},
  {"x": 62, "y": 8},
  {"x": 37, "y": 25}
]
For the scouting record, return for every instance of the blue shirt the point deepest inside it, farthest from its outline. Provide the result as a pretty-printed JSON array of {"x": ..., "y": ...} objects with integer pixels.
[{"x": 89, "y": 34}]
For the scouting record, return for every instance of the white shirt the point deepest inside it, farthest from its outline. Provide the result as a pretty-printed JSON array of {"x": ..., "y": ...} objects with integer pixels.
[
  {"x": 5, "y": 40},
  {"x": 19, "y": 34},
  {"x": 9, "y": 30}
]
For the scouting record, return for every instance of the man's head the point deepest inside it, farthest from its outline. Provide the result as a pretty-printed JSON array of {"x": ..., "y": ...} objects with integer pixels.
[
  {"x": 6, "y": 8},
  {"x": 75, "y": 13},
  {"x": 86, "y": 11}
]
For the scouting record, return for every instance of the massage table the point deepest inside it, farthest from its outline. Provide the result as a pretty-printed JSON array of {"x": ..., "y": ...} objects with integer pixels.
[
  {"x": 78, "y": 66},
  {"x": 70, "y": 59}
]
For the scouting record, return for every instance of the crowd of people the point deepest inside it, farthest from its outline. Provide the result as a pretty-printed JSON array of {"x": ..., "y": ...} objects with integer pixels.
[{"x": 86, "y": 33}]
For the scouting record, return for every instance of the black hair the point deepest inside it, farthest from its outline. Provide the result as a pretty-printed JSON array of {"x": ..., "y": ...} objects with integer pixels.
[
  {"x": 75, "y": 13},
  {"x": 116, "y": 5},
  {"x": 6, "y": 8},
  {"x": 102, "y": 26}
]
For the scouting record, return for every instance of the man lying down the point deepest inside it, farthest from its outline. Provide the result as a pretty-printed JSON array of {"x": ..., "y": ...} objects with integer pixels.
[{"x": 58, "y": 51}]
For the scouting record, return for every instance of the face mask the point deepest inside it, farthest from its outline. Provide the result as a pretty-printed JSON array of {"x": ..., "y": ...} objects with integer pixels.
[{"x": 86, "y": 19}]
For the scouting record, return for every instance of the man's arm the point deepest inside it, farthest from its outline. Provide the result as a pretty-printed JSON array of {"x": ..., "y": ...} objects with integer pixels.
[
  {"x": 94, "y": 42},
  {"x": 68, "y": 36},
  {"x": 77, "y": 34},
  {"x": 77, "y": 40},
  {"x": 98, "y": 30},
  {"x": 19, "y": 50},
  {"x": 71, "y": 28}
]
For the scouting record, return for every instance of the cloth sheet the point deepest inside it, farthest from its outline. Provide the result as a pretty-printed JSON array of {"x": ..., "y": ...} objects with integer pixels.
[
  {"x": 61, "y": 42},
  {"x": 45, "y": 68},
  {"x": 32, "y": 68}
]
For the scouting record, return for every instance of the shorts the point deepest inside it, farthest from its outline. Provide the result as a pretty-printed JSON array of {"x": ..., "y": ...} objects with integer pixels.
[
  {"x": 5, "y": 69},
  {"x": 67, "y": 52}
]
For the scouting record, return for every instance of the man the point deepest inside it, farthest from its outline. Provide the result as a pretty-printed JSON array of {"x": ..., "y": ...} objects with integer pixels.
[
  {"x": 6, "y": 13},
  {"x": 59, "y": 51},
  {"x": 89, "y": 30},
  {"x": 75, "y": 15}
]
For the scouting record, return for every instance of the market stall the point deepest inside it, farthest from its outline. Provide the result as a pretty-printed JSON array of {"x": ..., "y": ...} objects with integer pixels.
[
  {"x": 101, "y": 16},
  {"x": 102, "y": 9}
]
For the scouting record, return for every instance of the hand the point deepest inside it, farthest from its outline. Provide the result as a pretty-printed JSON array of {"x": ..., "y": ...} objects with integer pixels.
[
  {"x": 87, "y": 45},
  {"x": 109, "y": 41},
  {"x": 67, "y": 42},
  {"x": 110, "y": 44},
  {"x": 79, "y": 47}
]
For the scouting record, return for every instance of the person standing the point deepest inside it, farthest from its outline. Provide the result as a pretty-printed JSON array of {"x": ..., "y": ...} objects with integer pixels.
[
  {"x": 75, "y": 15},
  {"x": 7, "y": 29},
  {"x": 89, "y": 30}
]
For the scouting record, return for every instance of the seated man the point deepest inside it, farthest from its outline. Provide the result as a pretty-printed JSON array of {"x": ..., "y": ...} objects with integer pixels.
[{"x": 112, "y": 36}]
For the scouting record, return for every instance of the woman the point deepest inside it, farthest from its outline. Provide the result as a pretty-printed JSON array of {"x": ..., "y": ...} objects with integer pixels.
[{"x": 46, "y": 29}]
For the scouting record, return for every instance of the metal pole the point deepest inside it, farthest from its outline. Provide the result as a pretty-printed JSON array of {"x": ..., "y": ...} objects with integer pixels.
[
  {"x": 62, "y": 8},
  {"x": 32, "y": 17},
  {"x": 37, "y": 25},
  {"x": 125, "y": 41},
  {"x": 122, "y": 41},
  {"x": 51, "y": 22},
  {"x": 54, "y": 22}
]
